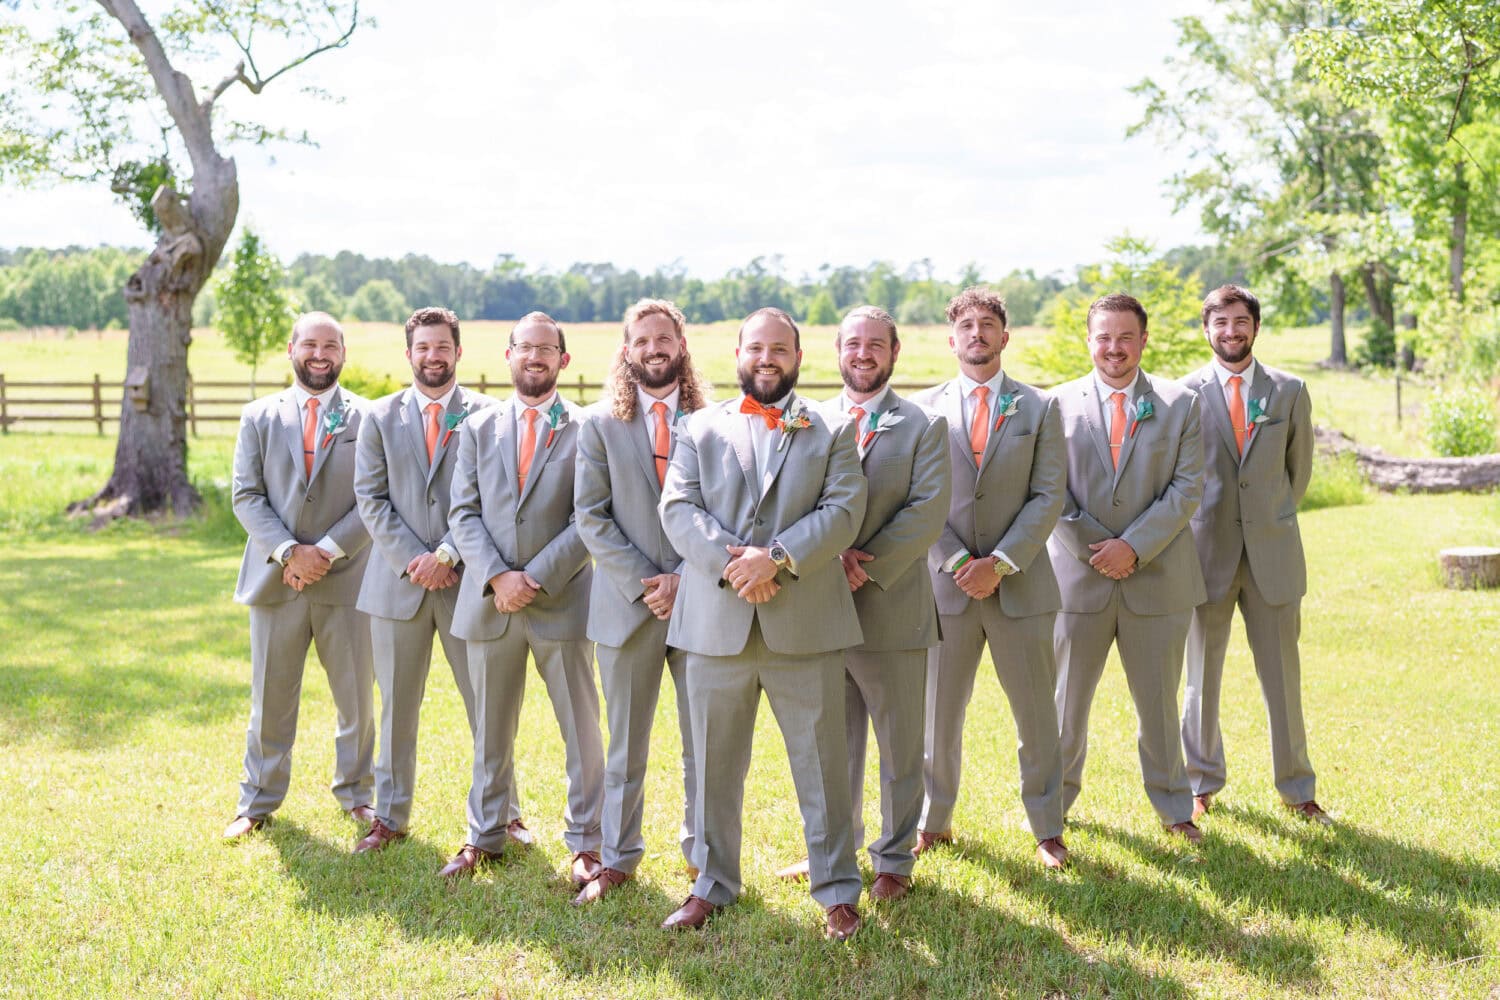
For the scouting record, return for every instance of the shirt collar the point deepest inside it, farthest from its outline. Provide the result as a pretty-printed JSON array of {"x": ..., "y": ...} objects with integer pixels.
[
  {"x": 1223, "y": 374},
  {"x": 877, "y": 403},
  {"x": 1105, "y": 389},
  {"x": 324, "y": 398},
  {"x": 780, "y": 404},
  {"x": 969, "y": 385},
  {"x": 421, "y": 401},
  {"x": 644, "y": 401},
  {"x": 541, "y": 407}
]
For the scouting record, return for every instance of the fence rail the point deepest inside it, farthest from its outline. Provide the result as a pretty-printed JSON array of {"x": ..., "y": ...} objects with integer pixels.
[{"x": 37, "y": 402}]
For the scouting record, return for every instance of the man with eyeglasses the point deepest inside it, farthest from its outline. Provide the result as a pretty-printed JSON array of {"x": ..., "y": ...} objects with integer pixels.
[{"x": 526, "y": 590}]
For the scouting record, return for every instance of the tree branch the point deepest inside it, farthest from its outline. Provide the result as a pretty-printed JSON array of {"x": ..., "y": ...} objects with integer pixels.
[
  {"x": 260, "y": 82},
  {"x": 225, "y": 84}
]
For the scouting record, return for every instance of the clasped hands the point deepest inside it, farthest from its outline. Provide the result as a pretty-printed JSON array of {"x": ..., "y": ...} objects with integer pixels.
[
  {"x": 425, "y": 571},
  {"x": 514, "y": 589},
  {"x": 1113, "y": 557},
  {"x": 305, "y": 565},
  {"x": 661, "y": 594},
  {"x": 751, "y": 573}
]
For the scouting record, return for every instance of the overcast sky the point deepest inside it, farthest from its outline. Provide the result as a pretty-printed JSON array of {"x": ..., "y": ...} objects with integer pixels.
[{"x": 705, "y": 132}]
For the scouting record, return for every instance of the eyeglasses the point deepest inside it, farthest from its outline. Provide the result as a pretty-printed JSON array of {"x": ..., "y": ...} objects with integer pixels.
[{"x": 536, "y": 350}]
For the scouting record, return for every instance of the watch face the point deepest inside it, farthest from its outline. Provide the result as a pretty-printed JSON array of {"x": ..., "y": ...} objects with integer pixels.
[{"x": 778, "y": 554}]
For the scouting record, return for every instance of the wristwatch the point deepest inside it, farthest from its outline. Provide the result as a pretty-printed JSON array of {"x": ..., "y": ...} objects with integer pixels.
[
  {"x": 444, "y": 558},
  {"x": 779, "y": 555}
]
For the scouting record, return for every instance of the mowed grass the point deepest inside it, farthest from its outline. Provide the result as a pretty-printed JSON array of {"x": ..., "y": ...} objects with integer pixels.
[
  {"x": 1362, "y": 404},
  {"x": 124, "y": 673}
]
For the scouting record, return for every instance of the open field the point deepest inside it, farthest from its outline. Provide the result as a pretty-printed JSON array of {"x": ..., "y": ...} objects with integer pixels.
[
  {"x": 1360, "y": 404},
  {"x": 123, "y": 692}
]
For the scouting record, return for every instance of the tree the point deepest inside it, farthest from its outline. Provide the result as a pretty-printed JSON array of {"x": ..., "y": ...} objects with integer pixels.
[
  {"x": 91, "y": 90},
  {"x": 378, "y": 301},
  {"x": 254, "y": 314},
  {"x": 821, "y": 311},
  {"x": 315, "y": 294}
]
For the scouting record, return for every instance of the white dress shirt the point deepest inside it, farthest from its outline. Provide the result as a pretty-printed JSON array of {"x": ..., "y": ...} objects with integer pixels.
[{"x": 325, "y": 543}]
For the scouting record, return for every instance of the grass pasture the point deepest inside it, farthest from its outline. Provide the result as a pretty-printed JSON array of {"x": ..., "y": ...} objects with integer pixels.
[{"x": 124, "y": 674}]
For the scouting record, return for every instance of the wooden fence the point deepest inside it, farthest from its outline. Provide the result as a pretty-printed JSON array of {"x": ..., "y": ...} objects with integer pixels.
[{"x": 40, "y": 402}]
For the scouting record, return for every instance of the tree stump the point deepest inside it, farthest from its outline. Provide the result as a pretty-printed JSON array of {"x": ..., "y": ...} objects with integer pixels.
[{"x": 1470, "y": 567}]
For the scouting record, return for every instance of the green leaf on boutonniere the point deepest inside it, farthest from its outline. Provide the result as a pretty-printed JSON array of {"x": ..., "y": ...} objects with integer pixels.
[
  {"x": 452, "y": 420},
  {"x": 1143, "y": 411},
  {"x": 334, "y": 421},
  {"x": 557, "y": 416},
  {"x": 1006, "y": 406},
  {"x": 795, "y": 419},
  {"x": 1258, "y": 411}
]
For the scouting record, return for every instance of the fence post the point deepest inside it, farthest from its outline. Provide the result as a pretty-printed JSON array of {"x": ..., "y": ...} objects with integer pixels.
[
  {"x": 4, "y": 416},
  {"x": 580, "y": 390},
  {"x": 1398, "y": 394},
  {"x": 484, "y": 384},
  {"x": 98, "y": 406},
  {"x": 192, "y": 406}
]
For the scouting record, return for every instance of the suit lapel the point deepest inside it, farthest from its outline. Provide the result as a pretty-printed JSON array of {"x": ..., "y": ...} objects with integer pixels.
[
  {"x": 1093, "y": 415},
  {"x": 781, "y": 445},
  {"x": 992, "y": 443},
  {"x": 744, "y": 446},
  {"x": 1260, "y": 388},
  {"x": 440, "y": 450},
  {"x": 291, "y": 424},
  {"x": 642, "y": 444},
  {"x": 335, "y": 403},
  {"x": 1144, "y": 390},
  {"x": 879, "y": 416},
  {"x": 544, "y": 449},
  {"x": 1212, "y": 395},
  {"x": 506, "y": 442},
  {"x": 413, "y": 428},
  {"x": 952, "y": 407}
]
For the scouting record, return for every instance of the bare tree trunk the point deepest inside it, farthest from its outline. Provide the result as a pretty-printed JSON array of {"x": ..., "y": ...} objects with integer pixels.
[
  {"x": 1379, "y": 294},
  {"x": 1459, "y": 235},
  {"x": 1338, "y": 352}
]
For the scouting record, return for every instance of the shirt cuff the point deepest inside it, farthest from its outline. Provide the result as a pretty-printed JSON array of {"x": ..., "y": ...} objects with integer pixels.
[
  {"x": 331, "y": 547},
  {"x": 951, "y": 564},
  {"x": 1005, "y": 562},
  {"x": 452, "y": 552},
  {"x": 281, "y": 550}
]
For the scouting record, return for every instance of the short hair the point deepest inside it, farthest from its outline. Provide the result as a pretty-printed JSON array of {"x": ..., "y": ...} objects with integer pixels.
[
  {"x": 655, "y": 307},
  {"x": 1224, "y": 296},
  {"x": 977, "y": 297},
  {"x": 1117, "y": 302},
  {"x": 432, "y": 316},
  {"x": 780, "y": 314},
  {"x": 538, "y": 316},
  {"x": 876, "y": 313},
  {"x": 312, "y": 319}
]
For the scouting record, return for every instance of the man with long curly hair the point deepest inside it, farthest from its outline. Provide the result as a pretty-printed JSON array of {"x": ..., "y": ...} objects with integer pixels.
[{"x": 624, "y": 445}]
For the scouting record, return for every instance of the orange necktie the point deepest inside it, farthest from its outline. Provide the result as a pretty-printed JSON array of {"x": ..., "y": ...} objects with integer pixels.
[
  {"x": 310, "y": 435},
  {"x": 1116, "y": 425},
  {"x": 433, "y": 409},
  {"x": 979, "y": 430},
  {"x": 528, "y": 446},
  {"x": 1237, "y": 412},
  {"x": 771, "y": 414},
  {"x": 663, "y": 441},
  {"x": 858, "y": 413}
]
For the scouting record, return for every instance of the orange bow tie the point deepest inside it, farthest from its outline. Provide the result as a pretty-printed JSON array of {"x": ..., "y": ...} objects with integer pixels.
[{"x": 771, "y": 414}]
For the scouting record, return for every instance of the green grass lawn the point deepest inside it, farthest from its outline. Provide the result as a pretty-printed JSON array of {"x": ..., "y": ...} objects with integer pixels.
[{"x": 124, "y": 675}]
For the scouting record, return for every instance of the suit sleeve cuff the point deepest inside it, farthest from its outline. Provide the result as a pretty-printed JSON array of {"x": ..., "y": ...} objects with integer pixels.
[
  {"x": 281, "y": 550},
  {"x": 452, "y": 552},
  {"x": 1006, "y": 562},
  {"x": 328, "y": 545}
]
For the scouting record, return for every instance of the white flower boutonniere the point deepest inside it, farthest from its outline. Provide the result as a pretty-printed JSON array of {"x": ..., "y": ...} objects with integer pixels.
[{"x": 794, "y": 419}]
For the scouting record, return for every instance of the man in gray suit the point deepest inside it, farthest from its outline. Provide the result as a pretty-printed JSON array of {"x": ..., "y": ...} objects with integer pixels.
[
  {"x": 624, "y": 446},
  {"x": 1123, "y": 557},
  {"x": 1259, "y": 447},
  {"x": 994, "y": 584},
  {"x": 525, "y": 590},
  {"x": 294, "y": 493},
  {"x": 762, "y": 496},
  {"x": 402, "y": 479},
  {"x": 904, "y": 454}
]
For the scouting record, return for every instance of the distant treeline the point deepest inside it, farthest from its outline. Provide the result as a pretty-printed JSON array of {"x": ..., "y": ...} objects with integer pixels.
[{"x": 80, "y": 287}]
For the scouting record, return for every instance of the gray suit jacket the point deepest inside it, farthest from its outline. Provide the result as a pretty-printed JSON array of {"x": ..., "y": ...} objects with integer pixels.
[
  {"x": 814, "y": 507},
  {"x": 404, "y": 501},
  {"x": 277, "y": 502},
  {"x": 1010, "y": 502},
  {"x": 909, "y": 482},
  {"x": 1250, "y": 504},
  {"x": 499, "y": 527},
  {"x": 1147, "y": 501},
  {"x": 615, "y": 495}
]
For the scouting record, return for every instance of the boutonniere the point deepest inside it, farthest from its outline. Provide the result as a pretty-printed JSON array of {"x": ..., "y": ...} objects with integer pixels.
[
  {"x": 556, "y": 417},
  {"x": 1257, "y": 413},
  {"x": 1007, "y": 404},
  {"x": 879, "y": 422},
  {"x": 793, "y": 420},
  {"x": 451, "y": 423},
  {"x": 333, "y": 421},
  {"x": 1143, "y": 411}
]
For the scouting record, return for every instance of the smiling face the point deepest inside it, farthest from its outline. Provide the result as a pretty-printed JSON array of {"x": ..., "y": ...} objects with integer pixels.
[
  {"x": 977, "y": 338},
  {"x": 536, "y": 358},
  {"x": 654, "y": 351},
  {"x": 434, "y": 357},
  {"x": 1115, "y": 343},
  {"x": 866, "y": 356},
  {"x": 767, "y": 359},
  {"x": 317, "y": 354},
  {"x": 1231, "y": 333}
]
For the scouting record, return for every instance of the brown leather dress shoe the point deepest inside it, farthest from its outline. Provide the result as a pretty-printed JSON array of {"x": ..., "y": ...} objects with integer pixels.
[
  {"x": 362, "y": 814},
  {"x": 244, "y": 826},
  {"x": 794, "y": 872},
  {"x": 1202, "y": 804},
  {"x": 466, "y": 860},
  {"x": 1188, "y": 830},
  {"x": 1312, "y": 812},
  {"x": 843, "y": 921},
  {"x": 1051, "y": 853},
  {"x": 692, "y": 914},
  {"x": 607, "y": 879},
  {"x": 584, "y": 866},
  {"x": 889, "y": 887},
  {"x": 379, "y": 836},
  {"x": 516, "y": 833},
  {"x": 926, "y": 841}
]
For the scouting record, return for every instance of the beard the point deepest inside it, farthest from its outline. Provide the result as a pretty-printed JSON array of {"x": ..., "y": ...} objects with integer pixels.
[
  {"x": 1231, "y": 355},
  {"x": 865, "y": 381},
  {"x": 642, "y": 375},
  {"x": 784, "y": 385},
  {"x": 977, "y": 354},
  {"x": 533, "y": 384},
  {"x": 433, "y": 380},
  {"x": 313, "y": 381}
]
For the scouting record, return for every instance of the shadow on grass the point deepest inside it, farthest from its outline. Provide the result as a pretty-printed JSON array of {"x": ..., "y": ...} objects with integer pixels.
[
  {"x": 1109, "y": 902},
  {"x": 83, "y": 706},
  {"x": 934, "y": 943}
]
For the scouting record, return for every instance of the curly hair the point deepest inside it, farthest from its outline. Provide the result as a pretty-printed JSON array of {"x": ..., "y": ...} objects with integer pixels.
[
  {"x": 432, "y": 316},
  {"x": 977, "y": 297},
  {"x": 620, "y": 390}
]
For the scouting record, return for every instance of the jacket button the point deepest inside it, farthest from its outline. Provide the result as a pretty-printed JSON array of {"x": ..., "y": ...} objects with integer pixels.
[
  {"x": 310, "y": 498},
  {"x": 979, "y": 496},
  {"x": 1244, "y": 486},
  {"x": 1116, "y": 501},
  {"x": 760, "y": 521}
]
